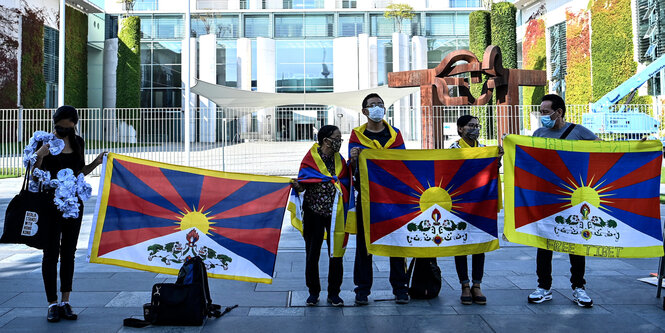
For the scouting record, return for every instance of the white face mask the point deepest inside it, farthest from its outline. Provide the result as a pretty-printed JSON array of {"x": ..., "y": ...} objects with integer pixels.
[{"x": 376, "y": 113}]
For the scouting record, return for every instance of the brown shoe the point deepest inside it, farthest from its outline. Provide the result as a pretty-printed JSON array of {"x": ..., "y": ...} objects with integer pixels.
[
  {"x": 466, "y": 299},
  {"x": 478, "y": 296}
]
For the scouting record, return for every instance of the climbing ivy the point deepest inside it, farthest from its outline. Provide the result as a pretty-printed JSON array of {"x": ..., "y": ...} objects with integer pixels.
[
  {"x": 534, "y": 56},
  {"x": 76, "y": 58},
  {"x": 33, "y": 84}
]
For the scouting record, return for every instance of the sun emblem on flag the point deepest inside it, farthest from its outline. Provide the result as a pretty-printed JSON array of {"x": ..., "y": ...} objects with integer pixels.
[
  {"x": 195, "y": 219},
  {"x": 585, "y": 193},
  {"x": 436, "y": 195}
]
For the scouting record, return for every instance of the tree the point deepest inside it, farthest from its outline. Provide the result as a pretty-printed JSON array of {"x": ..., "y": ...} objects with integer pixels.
[
  {"x": 399, "y": 12},
  {"x": 129, "y": 5}
]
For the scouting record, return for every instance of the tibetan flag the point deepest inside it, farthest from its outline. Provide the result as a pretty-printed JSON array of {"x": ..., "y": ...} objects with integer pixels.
[
  {"x": 590, "y": 198},
  {"x": 430, "y": 203},
  {"x": 153, "y": 216},
  {"x": 313, "y": 170}
]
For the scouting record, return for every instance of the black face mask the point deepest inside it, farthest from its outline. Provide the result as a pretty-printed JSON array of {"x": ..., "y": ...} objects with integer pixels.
[{"x": 64, "y": 131}]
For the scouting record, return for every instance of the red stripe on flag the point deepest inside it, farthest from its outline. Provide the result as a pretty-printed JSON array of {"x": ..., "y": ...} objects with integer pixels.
[
  {"x": 444, "y": 171},
  {"x": 155, "y": 179},
  {"x": 265, "y": 238},
  {"x": 485, "y": 208},
  {"x": 600, "y": 164},
  {"x": 552, "y": 161},
  {"x": 263, "y": 204},
  {"x": 215, "y": 190},
  {"x": 528, "y": 214},
  {"x": 481, "y": 179},
  {"x": 648, "y": 171},
  {"x": 380, "y": 229},
  {"x": 382, "y": 194},
  {"x": 649, "y": 207},
  {"x": 529, "y": 181},
  {"x": 117, "y": 239},
  {"x": 123, "y": 199},
  {"x": 400, "y": 171}
]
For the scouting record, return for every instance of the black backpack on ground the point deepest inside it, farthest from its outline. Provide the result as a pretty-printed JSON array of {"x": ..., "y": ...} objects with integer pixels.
[
  {"x": 426, "y": 279},
  {"x": 186, "y": 302}
]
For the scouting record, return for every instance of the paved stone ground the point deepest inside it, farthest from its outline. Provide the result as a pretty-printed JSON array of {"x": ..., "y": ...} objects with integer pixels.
[{"x": 104, "y": 295}]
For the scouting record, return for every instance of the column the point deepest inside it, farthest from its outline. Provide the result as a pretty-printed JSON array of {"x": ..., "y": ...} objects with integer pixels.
[
  {"x": 207, "y": 73},
  {"x": 265, "y": 82},
  {"x": 419, "y": 61},
  {"x": 189, "y": 69},
  {"x": 401, "y": 63},
  {"x": 244, "y": 53},
  {"x": 345, "y": 76}
]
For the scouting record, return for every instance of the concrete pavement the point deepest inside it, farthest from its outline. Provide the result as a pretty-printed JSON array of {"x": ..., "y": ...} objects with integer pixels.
[{"x": 104, "y": 295}]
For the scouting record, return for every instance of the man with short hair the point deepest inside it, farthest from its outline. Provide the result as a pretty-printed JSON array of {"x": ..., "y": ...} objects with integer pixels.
[
  {"x": 553, "y": 111},
  {"x": 375, "y": 134}
]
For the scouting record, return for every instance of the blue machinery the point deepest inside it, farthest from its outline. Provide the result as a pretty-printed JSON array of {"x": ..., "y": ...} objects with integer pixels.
[{"x": 604, "y": 119}]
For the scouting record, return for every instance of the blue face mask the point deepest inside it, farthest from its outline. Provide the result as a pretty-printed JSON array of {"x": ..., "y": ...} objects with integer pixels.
[
  {"x": 376, "y": 113},
  {"x": 547, "y": 121}
]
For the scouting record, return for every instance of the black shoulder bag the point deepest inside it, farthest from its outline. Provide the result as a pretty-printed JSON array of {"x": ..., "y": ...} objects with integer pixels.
[
  {"x": 567, "y": 131},
  {"x": 26, "y": 217}
]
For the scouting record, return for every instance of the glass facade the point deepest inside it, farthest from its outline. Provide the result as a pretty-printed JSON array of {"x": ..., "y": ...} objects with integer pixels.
[
  {"x": 304, "y": 45},
  {"x": 464, "y": 3},
  {"x": 51, "y": 39}
]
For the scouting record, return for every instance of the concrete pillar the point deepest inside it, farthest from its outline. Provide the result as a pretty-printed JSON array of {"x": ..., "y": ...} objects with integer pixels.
[
  {"x": 255, "y": 4},
  {"x": 189, "y": 69},
  {"x": 373, "y": 62},
  {"x": 329, "y": 4},
  {"x": 207, "y": 73},
  {"x": 109, "y": 88},
  {"x": 401, "y": 63},
  {"x": 363, "y": 62},
  {"x": 244, "y": 53},
  {"x": 419, "y": 61},
  {"x": 265, "y": 82},
  {"x": 345, "y": 64}
]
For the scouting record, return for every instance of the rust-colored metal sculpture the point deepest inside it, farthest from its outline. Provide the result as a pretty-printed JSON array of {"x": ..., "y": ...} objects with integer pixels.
[{"x": 434, "y": 89}]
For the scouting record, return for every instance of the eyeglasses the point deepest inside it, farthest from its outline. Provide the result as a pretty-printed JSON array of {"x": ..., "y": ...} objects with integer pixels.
[
  {"x": 375, "y": 104},
  {"x": 474, "y": 126},
  {"x": 340, "y": 139}
]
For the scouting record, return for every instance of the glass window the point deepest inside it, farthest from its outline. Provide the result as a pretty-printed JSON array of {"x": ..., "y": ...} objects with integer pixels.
[
  {"x": 222, "y": 26},
  {"x": 254, "y": 65},
  {"x": 461, "y": 23},
  {"x": 440, "y": 24},
  {"x": 163, "y": 98},
  {"x": 146, "y": 98},
  {"x": 167, "y": 53},
  {"x": 288, "y": 25},
  {"x": 437, "y": 49},
  {"x": 227, "y": 62},
  {"x": 350, "y": 25},
  {"x": 171, "y": 26},
  {"x": 146, "y": 76},
  {"x": 146, "y": 53},
  {"x": 212, "y": 4},
  {"x": 348, "y": 3},
  {"x": 51, "y": 66},
  {"x": 305, "y": 4},
  {"x": 243, "y": 4},
  {"x": 319, "y": 25},
  {"x": 146, "y": 27},
  {"x": 164, "y": 76},
  {"x": 464, "y": 3},
  {"x": 297, "y": 69},
  {"x": 384, "y": 55},
  {"x": 257, "y": 26},
  {"x": 381, "y": 26},
  {"x": 143, "y": 5}
]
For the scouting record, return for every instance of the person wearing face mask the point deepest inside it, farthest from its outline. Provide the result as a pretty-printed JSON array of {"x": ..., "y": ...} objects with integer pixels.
[
  {"x": 553, "y": 111},
  {"x": 62, "y": 244},
  {"x": 318, "y": 208},
  {"x": 375, "y": 134}
]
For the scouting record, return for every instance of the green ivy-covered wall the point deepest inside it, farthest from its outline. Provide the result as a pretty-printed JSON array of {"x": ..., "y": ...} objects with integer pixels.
[
  {"x": 8, "y": 61},
  {"x": 33, "y": 84},
  {"x": 534, "y": 56},
  {"x": 128, "y": 80},
  {"x": 578, "y": 77},
  {"x": 480, "y": 38},
  {"x": 504, "y": 34},
  {"x": 76, "y": 58},
  {"x": 612, "y": 47}
]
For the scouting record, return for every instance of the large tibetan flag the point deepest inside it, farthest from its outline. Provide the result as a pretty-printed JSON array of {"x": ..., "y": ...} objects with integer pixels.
[
  {"x": 313, "y": 170},
  {"x": 153, "y": 216},
  {"x": 430, "y": 203},
  {"x": 589, "y": 198}
]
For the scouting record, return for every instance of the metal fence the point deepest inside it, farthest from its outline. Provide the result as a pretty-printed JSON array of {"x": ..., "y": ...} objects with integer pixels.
[{"x": 273, "y": 140}]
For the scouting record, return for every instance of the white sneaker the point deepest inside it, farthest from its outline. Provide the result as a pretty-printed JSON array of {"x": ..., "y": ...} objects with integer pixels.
[
  {"x": 581, "y": 298},
  {"x": 540, "y": 295}
]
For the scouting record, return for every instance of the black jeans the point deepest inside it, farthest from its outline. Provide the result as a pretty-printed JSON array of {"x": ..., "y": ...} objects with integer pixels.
[
  {"x": 477, "y": 268},
  {"x": 544, "y": 269},
  {"x": 314, "y": 226},
  {"x": 362, "y": 267},
  {"x": 62, "y": 244}
]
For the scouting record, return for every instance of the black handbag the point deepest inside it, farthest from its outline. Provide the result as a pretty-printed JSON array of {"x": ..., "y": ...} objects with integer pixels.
[{"x": 26, "y": 218}]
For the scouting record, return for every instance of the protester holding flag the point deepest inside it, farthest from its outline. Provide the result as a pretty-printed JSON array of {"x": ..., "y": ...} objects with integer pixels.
[
  {"x": 65, "y": 170},
  {"x": 375, "y": 134},
  {"x": 552, "y": 115},
  {"x": 324, "y": 177}
]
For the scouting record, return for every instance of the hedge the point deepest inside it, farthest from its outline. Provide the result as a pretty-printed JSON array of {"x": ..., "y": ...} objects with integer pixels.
[
  {"x": 612, "y": 47},
  {"x": 128, "y": 81},
  {"x": 578, "y": 71},
  {"x": 479, "y": 39},
  {"x": 76, "y": 58},
  {"x": 534, "y": 56},
  {"x": 33, "y": 84},
  {"x": 504, "y": 33},
  {"x": 8, "y": 61}
]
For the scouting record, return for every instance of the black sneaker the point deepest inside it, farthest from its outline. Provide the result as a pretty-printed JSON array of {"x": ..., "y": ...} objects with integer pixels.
[
  {"x": 361, "y": 300},
  {"x": 53, "y": 314},
  {"x": 312, "y": 300},
  {"x": 67, "y": 313},
  {"x": 335, "y": 300},
  {"x": 402, "y": 299}
]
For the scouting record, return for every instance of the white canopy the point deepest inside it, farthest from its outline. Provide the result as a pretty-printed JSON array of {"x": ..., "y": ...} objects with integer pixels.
[{"x": 232, "y": 97}]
